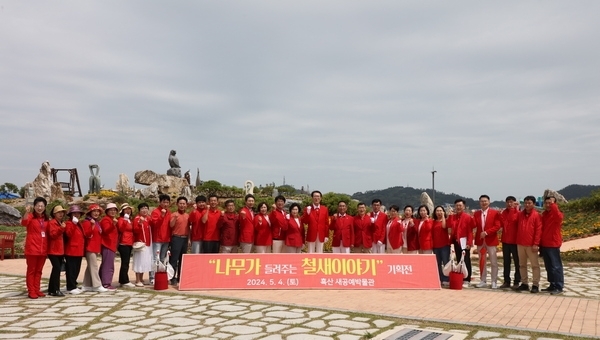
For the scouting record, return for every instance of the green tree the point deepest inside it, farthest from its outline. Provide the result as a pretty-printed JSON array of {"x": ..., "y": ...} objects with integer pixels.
[
  {"x": 286, "y": 190},
  {"x": 9, "y": 187}
]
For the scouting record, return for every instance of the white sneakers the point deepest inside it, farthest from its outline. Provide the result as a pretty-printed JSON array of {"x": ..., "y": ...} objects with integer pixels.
[
  {"x": 128, "y": 284},
  {"x": 87, "y": 289},
  {"x": 139, "y": 284},
  {"x": 481, "y": 284},
  {"x": 466, "y": 284},
  {"x": 99, "y": 289},
  {"x": 74, "y": 291},
  {"x": 494, "y": 285}
]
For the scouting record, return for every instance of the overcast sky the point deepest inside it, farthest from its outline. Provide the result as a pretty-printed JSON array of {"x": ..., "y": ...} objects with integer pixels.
[{"x": 501, "y": 98}]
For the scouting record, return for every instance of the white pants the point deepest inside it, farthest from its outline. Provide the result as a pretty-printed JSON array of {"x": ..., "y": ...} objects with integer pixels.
[
  {"x": 491, "y": 251},
  {"x": 395, "y": 251},
  {"x": 262, "y": 249},
  {"x": 278, "y": 246},
  {"x": 315, "y": 247},
  {"x": 378, "y": 248},
  {"x": 341, "y": 250},
  {"x": 229, "y": 249},
  {"x": 196, "y": 246},
  {"x": 293, "y": 250},
  {"x": 246, "y": 247}
]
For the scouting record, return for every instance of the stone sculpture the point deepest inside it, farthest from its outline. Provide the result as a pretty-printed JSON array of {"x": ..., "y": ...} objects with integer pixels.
[
  {"x": 42, "y": 184},
  {"x": 94, "y": 179},
  {"x": 175, "y": 169},
  {"x": 165, "y": 184},
  {"x": 426, "y": 200},
  {"x": 187, "y": 177},
  {"x": 275, "y": 192},
  {"x": 198, "y": 181},
  {"x": 248, "y": 187},
  {"x": 9, "y": 216},
  {"x": 123, "y": 184},
  {"x": 559, "y": 198}
]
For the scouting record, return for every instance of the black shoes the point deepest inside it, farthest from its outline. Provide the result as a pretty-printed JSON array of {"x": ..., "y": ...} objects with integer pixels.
[
  {"x": 549, "y": 289},
  {"x": 504, "y": 285},
  {"x": 523, "y": 287},
  {"x": 556, "y": 292},
  {"x": 535, "y": 289},
  {"x": 57, "y": 293}
]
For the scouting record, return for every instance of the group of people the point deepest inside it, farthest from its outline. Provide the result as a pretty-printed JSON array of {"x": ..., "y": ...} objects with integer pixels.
[
  {"x": 207, "y": 229},
  {"x": 66, "y": 241}
]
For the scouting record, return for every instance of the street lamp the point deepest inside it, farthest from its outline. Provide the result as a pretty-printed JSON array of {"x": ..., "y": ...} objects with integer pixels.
[{"x": 433, "y": 186}]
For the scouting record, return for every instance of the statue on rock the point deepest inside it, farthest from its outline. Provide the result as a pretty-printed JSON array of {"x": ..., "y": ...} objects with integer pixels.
[
  {"x": 187, "y": 177},
  {"x": 249, "y": 187},
  {"x": 94, "y": 179},
  {"x": 198, "y": 181},
  {"x": 42, "y": 184},
  {"x": 175, "y": 169}
]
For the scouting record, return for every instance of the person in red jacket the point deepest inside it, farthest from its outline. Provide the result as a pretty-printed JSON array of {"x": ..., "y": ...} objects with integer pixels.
[
  {"x": 424, "y": 225},
  {"x": 142, "y": 258},
  {"x": 528, "y": 240},
  {"x": 550, "y": 242},
  {"x": 394, "y": 231},
  {"x": 461, "y": 225},
  {"x": 509, "y": 242},
  {"x": 92, "y": 231},
  {"x": 74, "y": 248},
  {"x": 379, "y": 220},
  {"x": 363, "y": 230},
  {"x": 294, "y": 236},
  {"x": 263, "y": 238},
  {"x": 247, "y": 225},
  {"x": 56, "y": 249},
  {"x": 211, "y": 237},
  {"x": 277, "y": 217},
  {"x": 316, "y": 216},
  {"x": 441, "y": 242},
  {"x": 229, "y": 227},
  {"x": 110, "y": 241},
  {"x": 125, "y": 228},
  {"x": 36, "y": 245},
  {"x": 198, "y": 227},
  {"x": 342, "y": 225},
  {"x": 411, "y": 235},
  {"x": 487, "y": 224},
  {"x": 161, "y": 231}
]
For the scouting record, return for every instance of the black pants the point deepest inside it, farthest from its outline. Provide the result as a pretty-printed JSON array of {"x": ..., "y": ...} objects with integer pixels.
[
  {"x": 458, "y": 250},
  {"x": 125, "y": 253},
  {"x": 510, "y": 254},
  {"x": 72, "y": 269},
  {"x": 54, "y": 282},
  {"x": 179, "y": 246},
  {"x": 210, "y": 247}
]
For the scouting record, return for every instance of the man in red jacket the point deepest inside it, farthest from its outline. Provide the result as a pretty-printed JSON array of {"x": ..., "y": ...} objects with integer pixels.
[
  {"x": 342, "y": 225},
  {"x": 487, "y": 223},
  {"x": 461, "y": 225},
  {"x": 247, "y": 225},
  {"x": 528, "y": 240},
  {"x": 316, "y": 216},
  {"x": 509, "y": 242},
  {"x": 211, "y": 236},
  {"x": 379, "y": 220},
  {"x": 229, "y": 227},
  {"x": 552, "y": 219},
  {"x": 197, "y": 231},
  {"x": 161, "y": 231},
  {"x": 363, "y": 230},
  {"x": 278, "y": 221}
]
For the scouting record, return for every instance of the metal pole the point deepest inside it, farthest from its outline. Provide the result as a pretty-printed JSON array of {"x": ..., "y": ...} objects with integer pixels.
[{"x": 433, "y": 186}]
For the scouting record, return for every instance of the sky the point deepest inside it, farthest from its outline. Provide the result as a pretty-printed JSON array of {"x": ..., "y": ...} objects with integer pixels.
[{"x": 500, "y": 98}]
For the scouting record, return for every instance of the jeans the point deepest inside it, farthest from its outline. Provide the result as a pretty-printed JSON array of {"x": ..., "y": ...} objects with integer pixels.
[
  {"x": 179, "y": 246},
  {"x": 161, "y": 247},
  {"x": 442, "y": 255},
  {"x": 510, "y": 254},
  {"x": 196, "y": 246},
  {"x": 554, "y": 267}
]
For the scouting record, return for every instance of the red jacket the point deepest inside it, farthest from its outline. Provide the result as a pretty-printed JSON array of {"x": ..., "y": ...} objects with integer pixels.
[
  {"x": 110, "y": 234},
  {"x": 510, "y": 224},
  {"x": 424, "y": 229},
  {"x": 462, "y": 226},
  {"x": 211, "y": 233},
  {"x": 363, "y": 231},
  {"x": 552, "y": 227},
  {"x": 530, "y": 229},
  {"x": 92, "y": 233},
  {"x": 141, "y": 230},
  {"x": 229, "y": 226},
  {"x": 125, "y": 231},
  {"x": 318, "y": 220},
  {"x": 379, "y": 227},
  {"x": 440, "y": 235},
  {"x": 246, "y": 225},
  {"x": 412, "y": 235},
  {"x": 262, "y": 230},
  {"x": 161, "y": 230},
  {"x": 75, "y": 241},
  {"x": 343, "y": 230},
  {"x": 198, "y": 227},
  {"x": 277, "y": 222},
  {"x": 36, "y": 241},
  {"x": 55, "y": 238},
  {"x": 394, "y": 235},
  {"x": 294, "y": 236},
  {"x": 493, "y": 223}
]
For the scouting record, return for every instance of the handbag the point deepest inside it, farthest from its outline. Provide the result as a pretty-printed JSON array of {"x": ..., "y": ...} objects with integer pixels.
[
  {"x": 139, "y": 246},
  {"x": 449, "y": 267}
]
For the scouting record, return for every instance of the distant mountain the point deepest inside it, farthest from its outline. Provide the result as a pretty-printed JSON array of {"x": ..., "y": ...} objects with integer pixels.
[
  {"x": 402, "y": 196},
  {"x": 575, "y": 191}
]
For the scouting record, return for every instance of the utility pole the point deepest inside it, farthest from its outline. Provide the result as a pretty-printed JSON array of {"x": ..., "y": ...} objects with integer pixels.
[{"x": 433, "y": 186}]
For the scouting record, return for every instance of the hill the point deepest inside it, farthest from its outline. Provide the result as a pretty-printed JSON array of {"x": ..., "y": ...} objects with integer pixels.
[
  {"x": 576, "y": 191},
  {"x": 407, "y": 195}
]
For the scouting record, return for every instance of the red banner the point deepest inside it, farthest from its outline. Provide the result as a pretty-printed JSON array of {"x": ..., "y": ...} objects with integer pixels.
[{"x": 308, "y": 271}]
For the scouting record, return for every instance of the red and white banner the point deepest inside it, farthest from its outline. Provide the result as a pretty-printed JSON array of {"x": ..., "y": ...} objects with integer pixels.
[{"x": 308, "y": 271}]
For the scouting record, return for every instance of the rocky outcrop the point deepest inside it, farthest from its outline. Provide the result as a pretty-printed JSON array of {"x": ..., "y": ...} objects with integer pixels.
[
  {"x": 149, "y": 192},
  {"x": 559, "y": 198},
  {"x": 42, "y": 184},
  {"x": 57, "y": 193},
  {"x": 123, "y": 184},
  {"x": 165, "y": 184},
  {"x": 9, "y": 216},
  {"x": 426, "y": 201}
]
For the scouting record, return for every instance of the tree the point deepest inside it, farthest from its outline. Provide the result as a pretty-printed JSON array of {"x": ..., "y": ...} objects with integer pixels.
[
  {"x": 286, "y": 190},
  {"x": 9, "y": 187}
]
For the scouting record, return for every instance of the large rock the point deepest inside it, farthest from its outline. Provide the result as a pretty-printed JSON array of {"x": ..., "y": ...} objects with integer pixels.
[
  {"x": 42, "y": 184},
  {"x": 426, "y": 201},
  {"x": 559, "y": 198},
  {"x": 123, "y": 184},
  {"x": 9, "y": 215},
  {"x": 149, "y": 192},
  {"x": 166, "y": 184},
  {"x": 57, "y": 193}
]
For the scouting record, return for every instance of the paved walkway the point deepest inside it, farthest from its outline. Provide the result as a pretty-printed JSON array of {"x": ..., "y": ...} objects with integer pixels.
[{"x": 306, "y": 314}]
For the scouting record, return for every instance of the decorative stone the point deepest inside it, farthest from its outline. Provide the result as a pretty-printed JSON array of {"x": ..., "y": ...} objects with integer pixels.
[
  {"x": 229, "y": 308},
  {"x": 47, "y": 324},
  {"x": 316, "y": 324},
  {"x": 128, "y": 313},
  {"x": 559, "y": 198},
  {"x": 349, "y": 324},
  {"x": 57, "y": 193},
  {"x": 179, "y": 321},
  {"x": 42, "y": 184},
  {"x": 122, "y": 184},
  {"x": 165, "y": 184},
  {"x": 285, "y": 315},
  {"x": 335, "y": 316},
  {"x": 426, "y": 201},
  {"x": 241, "y": 329},
  {"x": 9, "y": 216},
  {"x": 382, "y": 323}
]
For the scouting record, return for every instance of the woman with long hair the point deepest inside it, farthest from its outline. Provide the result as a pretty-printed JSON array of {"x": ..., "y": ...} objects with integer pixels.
[
  {"x": 441, "y": 242},
  {"x": 36, "y": 245},
  {"x": 411, "y": 236},
  {"x": 394, "y": 231},
  {"x": 424, "y": 224}
]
